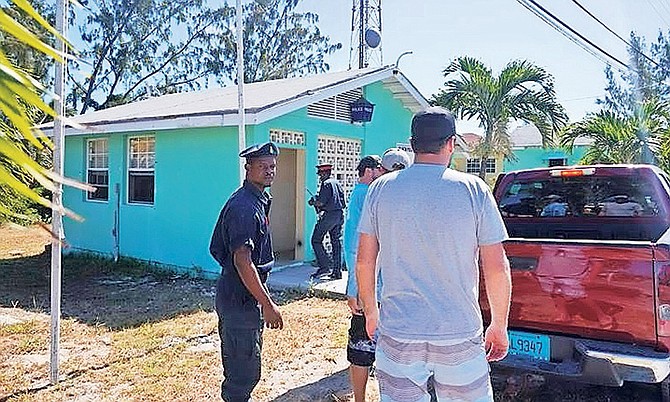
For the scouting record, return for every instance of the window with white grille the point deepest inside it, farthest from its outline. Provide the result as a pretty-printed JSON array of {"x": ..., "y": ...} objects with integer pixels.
[
  {"x": 336, "y": 107},
  {"x": 472, "y": 166},
  {"x": 141, "y": 162},
  {"x": 97, "y": 169}
]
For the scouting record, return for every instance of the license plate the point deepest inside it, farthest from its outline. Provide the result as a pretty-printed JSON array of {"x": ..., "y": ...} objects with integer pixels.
[{"x": 531, "y": 345}]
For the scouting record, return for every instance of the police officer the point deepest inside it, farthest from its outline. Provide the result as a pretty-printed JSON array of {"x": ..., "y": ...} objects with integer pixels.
[
  {"x": 329, "y": 203},
  {"x": 242, "y": 245}
]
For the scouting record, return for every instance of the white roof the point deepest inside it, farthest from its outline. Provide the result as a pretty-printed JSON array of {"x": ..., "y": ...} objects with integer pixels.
[
  {"x": 529, "y": 136},
  {"x": 263, "y": 101}
]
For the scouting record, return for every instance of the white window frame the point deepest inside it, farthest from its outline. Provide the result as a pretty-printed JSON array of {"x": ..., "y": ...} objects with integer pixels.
[
  {"x": 472, "y": 165},
  {"x": 564, "y": 161},
  {"x": 141, "y": 171},
  {"x": 90, "y": 196}
]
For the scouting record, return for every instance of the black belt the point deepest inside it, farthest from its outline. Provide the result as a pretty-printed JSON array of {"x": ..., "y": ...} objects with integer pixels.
[{"x": 265, "y": 268}]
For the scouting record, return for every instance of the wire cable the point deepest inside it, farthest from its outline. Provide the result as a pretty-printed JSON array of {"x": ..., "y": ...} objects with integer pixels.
[
  {"x": 572, "y": 34},
  {"x": 636, "y": 50},
  {"x": 657, "y": 13},
  {"x": 665, "y": 7}
]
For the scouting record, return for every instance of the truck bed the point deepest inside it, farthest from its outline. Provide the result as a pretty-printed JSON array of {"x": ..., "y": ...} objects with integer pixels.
[{"x": 602, "y": 290}]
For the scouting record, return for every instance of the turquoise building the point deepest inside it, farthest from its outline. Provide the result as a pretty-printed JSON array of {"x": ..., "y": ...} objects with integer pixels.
[
  {"x": 164, "y": 167},
  {"x": 527, "y": 146}
]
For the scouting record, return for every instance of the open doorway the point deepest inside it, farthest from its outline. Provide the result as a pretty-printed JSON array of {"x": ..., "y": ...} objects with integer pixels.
[{"x": 288, "y": 204}]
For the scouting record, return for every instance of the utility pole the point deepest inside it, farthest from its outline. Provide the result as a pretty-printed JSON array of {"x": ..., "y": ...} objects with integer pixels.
[
  {"x": 240, "y": 86},
  {"x": 57, "y": 198}
]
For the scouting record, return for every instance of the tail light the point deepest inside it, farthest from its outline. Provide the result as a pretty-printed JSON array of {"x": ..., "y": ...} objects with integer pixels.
[
  {"x": 662, "y": 269},
  {"x": 572, "y": 172}
]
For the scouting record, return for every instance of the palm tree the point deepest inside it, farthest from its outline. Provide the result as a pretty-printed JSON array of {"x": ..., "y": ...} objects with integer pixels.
[
  {"x": 19, "y": 98},
  {"x": 522, "y": 91},
  {"x": 643, "y": 137}
]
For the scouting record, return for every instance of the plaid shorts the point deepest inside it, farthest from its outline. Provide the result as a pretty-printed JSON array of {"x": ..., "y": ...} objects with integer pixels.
[
  {"x": 458, "y": 367},
  {"x": 360, "y": 348}
]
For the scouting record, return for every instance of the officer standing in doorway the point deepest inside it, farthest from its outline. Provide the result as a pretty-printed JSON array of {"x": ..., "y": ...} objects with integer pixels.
[
  {"x": 329, "y": 203},
  {"x": 242, "y": 245}
]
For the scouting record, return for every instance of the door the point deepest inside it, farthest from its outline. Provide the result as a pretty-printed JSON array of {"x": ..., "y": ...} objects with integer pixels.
[{"x": 286, "y": 219}]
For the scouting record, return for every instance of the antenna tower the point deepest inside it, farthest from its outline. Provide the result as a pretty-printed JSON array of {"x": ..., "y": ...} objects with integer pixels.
[{"x": 366, "y": 34}]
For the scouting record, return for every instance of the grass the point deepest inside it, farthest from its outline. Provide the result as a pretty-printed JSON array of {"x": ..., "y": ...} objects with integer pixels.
[{"x": 130, "y": 333}]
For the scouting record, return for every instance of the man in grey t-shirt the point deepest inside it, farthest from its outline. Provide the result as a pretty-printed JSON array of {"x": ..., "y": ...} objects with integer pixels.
[{"x": 426, "y": 228}]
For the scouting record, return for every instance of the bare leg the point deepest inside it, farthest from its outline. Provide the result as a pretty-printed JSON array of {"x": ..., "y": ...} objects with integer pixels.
[{"x": 359, "y": 380}]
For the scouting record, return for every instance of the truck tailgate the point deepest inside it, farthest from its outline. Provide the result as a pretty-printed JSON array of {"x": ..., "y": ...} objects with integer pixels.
[{"x": 602, "y": 289}]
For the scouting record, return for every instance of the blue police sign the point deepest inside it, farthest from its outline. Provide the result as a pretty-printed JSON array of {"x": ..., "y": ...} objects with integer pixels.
[{"x": 361, "y": 110}]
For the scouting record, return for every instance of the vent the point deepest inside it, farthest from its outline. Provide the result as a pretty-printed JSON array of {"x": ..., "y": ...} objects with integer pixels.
[{"x": 336, "y": 107}]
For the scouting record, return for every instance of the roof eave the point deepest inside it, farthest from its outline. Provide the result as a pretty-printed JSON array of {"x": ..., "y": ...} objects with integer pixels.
[{"x": 252, "y": 116}]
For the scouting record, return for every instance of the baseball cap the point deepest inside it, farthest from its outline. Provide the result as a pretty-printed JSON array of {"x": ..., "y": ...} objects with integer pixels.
[
  {"x": 369, "y": 161},
  {"x": 433, "y": 124},
  {"x": 395, "y": 158}
]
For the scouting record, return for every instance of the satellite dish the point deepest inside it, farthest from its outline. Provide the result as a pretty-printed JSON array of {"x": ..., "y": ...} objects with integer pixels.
[{"x": 372, "y": 38}]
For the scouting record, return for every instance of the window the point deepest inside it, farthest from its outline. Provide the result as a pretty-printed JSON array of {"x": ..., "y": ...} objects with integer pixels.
[
  {"x": 557, "y": 162},
  {"x": 97, "y": 169},
  {"x": 472, "y": 166},
  {"x": 583, "y": 196},
  {"x": 141, "y": 160}
]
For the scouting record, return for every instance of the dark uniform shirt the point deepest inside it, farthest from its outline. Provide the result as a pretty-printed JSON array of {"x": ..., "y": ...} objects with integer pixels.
[
  {"x": 243, "y": 221},
  {"x": 331, "y": 195}
]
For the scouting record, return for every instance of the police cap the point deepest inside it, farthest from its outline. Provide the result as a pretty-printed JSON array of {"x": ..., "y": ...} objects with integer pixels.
[
  {"x": 324, "y": 167},
  {"x": 259, "y": 150}
]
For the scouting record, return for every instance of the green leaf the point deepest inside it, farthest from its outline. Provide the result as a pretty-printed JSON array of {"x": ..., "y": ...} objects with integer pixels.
[
  {"x": 17, "y": 30},
  {"x": 28, "y": 9}
]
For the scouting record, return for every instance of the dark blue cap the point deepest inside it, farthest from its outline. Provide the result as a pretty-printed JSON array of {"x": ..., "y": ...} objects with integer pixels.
[
  {"x": 433, "y": 124},
  {"x": 258, "y": 150}
]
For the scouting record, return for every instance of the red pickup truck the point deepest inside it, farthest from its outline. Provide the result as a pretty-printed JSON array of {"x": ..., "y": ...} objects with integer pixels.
[{"x": 589, "y": 250}]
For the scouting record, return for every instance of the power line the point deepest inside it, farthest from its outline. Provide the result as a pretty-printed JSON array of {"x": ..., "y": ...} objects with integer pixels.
[
  {"x": 663, "y": 4},
  {"x": 614, "y": 33},
  {"x": 573, "y": 35},
  {"x": 657, "y": 13}
]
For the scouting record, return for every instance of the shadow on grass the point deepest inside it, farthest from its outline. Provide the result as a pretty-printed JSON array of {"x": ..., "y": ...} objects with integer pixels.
[
  {"x": 327, "y": 389},
  {"x": 99, "y": 291}
]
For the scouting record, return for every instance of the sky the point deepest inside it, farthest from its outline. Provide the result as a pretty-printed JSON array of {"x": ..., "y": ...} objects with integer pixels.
[{"x": 497, "y": 32}]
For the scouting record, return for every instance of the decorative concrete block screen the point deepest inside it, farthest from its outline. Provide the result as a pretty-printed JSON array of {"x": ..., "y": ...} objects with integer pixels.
[
  {"x": 285, "y": 137},
  {"x": 344, "y": 154}
]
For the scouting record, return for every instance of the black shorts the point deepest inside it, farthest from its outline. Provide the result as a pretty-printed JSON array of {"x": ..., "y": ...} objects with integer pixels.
[{"x": 360, "y": 348}]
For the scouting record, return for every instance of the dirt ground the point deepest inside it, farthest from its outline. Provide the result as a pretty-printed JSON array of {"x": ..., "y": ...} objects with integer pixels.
[{"x": 132, "y": 333}]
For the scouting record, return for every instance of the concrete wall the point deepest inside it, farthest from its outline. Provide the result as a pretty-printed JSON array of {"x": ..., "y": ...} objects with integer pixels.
[{"x": 535, "y": 157}]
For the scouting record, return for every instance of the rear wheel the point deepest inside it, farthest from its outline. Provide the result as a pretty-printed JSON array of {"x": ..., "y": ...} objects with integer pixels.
[{"x": 665, "y": 390}]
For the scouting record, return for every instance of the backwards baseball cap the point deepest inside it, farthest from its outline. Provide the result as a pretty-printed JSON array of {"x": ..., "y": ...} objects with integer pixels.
[
  {"x": 395, "y": 158},
  {"x": 369, "y": 161},
  {"x": 258, "y": 150},
  {"x": 433, "y": 124}
]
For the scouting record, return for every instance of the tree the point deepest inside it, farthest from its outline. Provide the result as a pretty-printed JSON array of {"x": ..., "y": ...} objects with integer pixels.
[
  {"x": 19, "y": 97},
  {"x": 281, "y": 43},
  {"x": 622, "y": 137},
  {"x": 646, "y": 79},
  {"x": 23, "y": 57},
  {"x": 522, "y": 91},
  {"x": 633, "y": 125},
  {"x": 134, "y": 49}
]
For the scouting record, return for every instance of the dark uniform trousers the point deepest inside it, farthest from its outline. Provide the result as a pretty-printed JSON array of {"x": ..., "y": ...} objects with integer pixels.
[
  {"x": 241, "y": 357},
  {"x": 329, "y": 222},
  {"x": 241, "y": 333}
]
